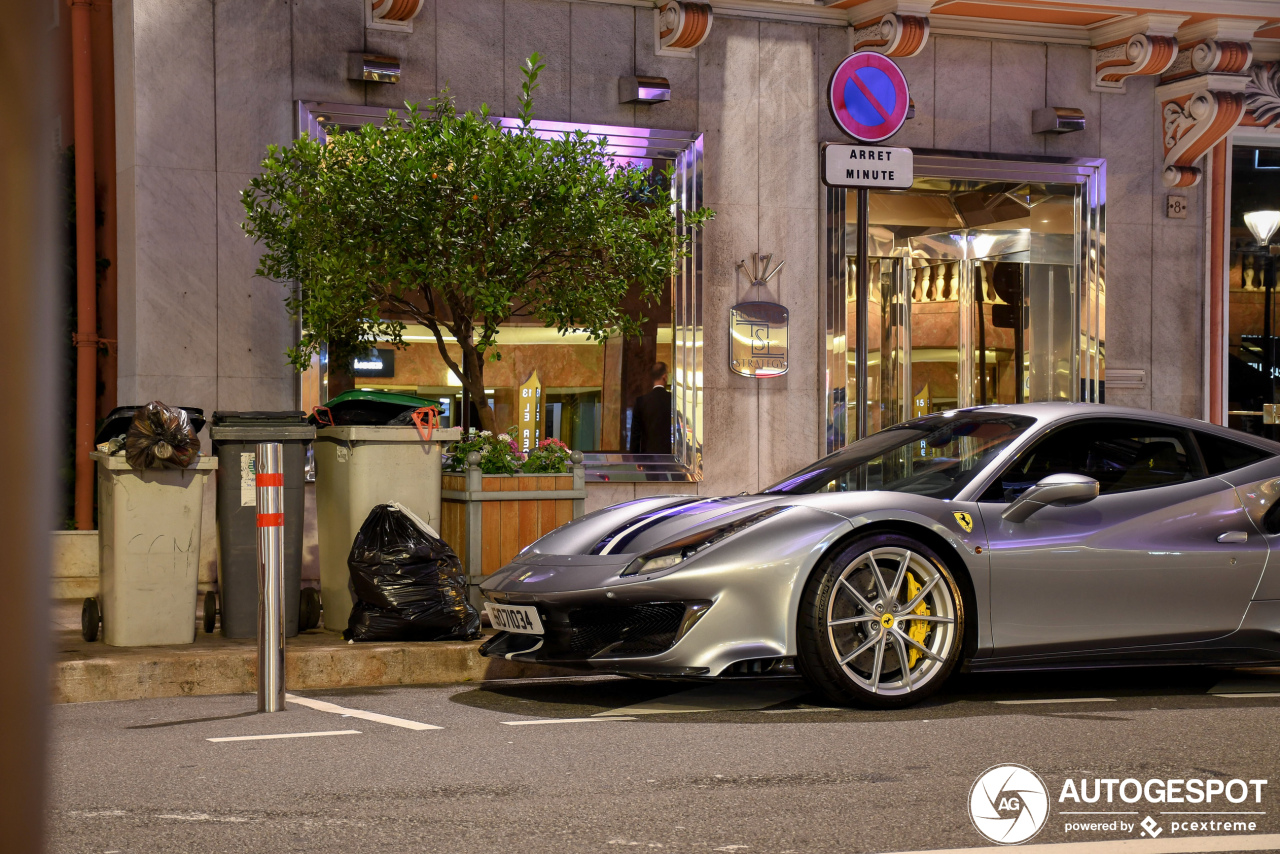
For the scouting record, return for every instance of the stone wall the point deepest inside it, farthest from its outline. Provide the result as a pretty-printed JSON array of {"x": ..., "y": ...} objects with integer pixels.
[{"x": 205, "y": 86}]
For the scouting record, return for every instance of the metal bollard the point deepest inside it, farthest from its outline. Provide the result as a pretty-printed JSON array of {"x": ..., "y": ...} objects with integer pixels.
[{"x": 269, "y": 470}]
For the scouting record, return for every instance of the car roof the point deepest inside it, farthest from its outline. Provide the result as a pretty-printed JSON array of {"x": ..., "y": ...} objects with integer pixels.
[{"x": 1070, "y": 411}]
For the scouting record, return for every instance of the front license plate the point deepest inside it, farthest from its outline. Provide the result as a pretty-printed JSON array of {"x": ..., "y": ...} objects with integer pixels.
[{"x": 521, "y": 619}]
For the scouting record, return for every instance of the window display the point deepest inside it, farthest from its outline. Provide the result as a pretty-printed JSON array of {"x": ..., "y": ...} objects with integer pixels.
[{"x": 1252, "y": 367}]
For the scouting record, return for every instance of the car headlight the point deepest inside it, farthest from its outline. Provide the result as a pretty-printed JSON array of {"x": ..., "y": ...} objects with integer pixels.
[{"x": 678, "y": 551}]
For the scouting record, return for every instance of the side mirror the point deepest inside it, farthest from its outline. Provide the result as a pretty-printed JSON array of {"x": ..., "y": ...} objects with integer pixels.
[{"x": 1059, "y": 490}]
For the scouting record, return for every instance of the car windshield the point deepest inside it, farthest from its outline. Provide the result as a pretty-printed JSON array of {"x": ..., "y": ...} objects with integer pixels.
[{"x": 935, "y": 456}]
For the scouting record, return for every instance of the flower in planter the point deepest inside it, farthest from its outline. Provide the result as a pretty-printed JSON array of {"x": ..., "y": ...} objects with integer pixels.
[
  {"x": 498, "y": 454},
  {"x": 551, "y": 456}
]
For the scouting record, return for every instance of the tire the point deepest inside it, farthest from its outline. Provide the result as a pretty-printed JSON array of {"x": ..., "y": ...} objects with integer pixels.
[
  {"x": 210, "y": 611},
  {"x": 90, "y": 618},
  {"x": 851, "y": 649},
  {"x": 308, "y": 609}
]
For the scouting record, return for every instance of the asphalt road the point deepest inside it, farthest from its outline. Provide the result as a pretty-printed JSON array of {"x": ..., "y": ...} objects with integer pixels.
[{"x": 766, "y": 768}]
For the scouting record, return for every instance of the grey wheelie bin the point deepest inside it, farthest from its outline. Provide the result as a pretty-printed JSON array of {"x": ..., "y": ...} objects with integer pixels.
[{"x": 235, "y": 438}]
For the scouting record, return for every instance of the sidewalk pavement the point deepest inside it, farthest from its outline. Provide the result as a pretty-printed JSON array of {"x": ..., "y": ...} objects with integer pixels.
[{"x": 89, "y": 672}]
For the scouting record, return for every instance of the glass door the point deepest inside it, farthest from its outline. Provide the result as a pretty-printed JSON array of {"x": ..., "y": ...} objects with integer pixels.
[{"x": 975, "y": 299}]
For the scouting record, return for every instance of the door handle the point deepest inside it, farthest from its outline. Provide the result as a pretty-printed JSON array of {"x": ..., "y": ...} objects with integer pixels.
[{"x": 1234, "y": 537}]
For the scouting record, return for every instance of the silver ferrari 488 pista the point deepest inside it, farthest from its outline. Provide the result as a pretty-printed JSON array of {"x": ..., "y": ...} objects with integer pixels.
[{"x": 1001, "y": 537}]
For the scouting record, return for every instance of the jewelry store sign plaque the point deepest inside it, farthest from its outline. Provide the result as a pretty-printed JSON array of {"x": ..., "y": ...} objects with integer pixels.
[{"x": 758, "y": 339}]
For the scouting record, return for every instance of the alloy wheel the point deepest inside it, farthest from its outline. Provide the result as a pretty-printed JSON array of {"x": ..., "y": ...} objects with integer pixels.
[{"x": 890, "y": 621}]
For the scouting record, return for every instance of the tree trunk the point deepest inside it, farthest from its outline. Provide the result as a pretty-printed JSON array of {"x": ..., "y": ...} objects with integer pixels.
[
  {"x": 473, "y": 381},
  {"x": 340, "y": 380},
  {"x": 488, "y": 418}
]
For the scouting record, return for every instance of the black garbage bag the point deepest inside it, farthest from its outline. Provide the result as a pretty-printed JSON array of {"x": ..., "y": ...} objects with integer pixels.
[
  {"x": 161, "y": 437},
  {"x": 408, "y": 584}
]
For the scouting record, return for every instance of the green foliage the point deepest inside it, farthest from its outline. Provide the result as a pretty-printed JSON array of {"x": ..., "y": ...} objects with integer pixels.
[
  {"x": 551, "y": 456},
  {"x": 456, "y": 223}
]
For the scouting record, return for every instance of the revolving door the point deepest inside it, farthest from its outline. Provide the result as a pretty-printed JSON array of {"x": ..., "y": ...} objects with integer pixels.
[{"x": 981, "y": 291}]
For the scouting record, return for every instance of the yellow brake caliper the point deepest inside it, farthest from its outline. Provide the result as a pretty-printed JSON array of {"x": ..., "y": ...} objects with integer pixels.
[{"x": 916, "y": 629}]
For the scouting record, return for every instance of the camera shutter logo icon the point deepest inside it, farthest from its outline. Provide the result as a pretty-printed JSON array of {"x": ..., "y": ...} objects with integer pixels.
[{"x": 1009, "y": 804}]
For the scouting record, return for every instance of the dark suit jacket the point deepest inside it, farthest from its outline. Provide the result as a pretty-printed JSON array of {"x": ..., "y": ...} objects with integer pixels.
[{"x": 651, "y": 423}]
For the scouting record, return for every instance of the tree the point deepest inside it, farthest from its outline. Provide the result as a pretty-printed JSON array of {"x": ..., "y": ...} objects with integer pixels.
[{"x": 459, "y": 224}]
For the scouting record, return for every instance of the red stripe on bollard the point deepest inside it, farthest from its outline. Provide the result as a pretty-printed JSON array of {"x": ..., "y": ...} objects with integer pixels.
[
  {"x": 270, "y": 479},
  {"x": 270, "y": 520}
]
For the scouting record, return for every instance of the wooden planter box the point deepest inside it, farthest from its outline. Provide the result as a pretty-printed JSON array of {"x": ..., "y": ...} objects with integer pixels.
[{"x": 488, "y": 518}]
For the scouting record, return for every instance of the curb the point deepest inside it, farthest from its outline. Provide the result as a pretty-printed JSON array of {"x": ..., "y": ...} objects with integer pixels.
[{"x": 156, "y": 672}]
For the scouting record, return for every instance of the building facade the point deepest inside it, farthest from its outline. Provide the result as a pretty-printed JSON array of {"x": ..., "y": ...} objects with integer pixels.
[{"x": 1108, "y": 241}]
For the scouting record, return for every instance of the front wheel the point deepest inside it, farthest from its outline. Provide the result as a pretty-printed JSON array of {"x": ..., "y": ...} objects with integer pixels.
[{"x": 882, "y": 625}]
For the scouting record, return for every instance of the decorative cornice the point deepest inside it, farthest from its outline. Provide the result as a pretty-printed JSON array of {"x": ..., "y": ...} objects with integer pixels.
[
  {"x": 770, "y": 10},
  {"x": 891, "y": 27},
  {"x": 987, "y": 28},
  {"x": 1143, "y": 45},
  {"x": 1214, "y": 46},
  {"x": 1120, "y": 31},
  {"x": 892, "y": 35},
  {"x": 1262, "y": 95},
  {"x": 1220, "y": 29},
  {"x": 394, "y": 15},
  {"x": 875, "y": 8},
  {"x": 1197, "y": 113},
  {"x": 681, "y": 26}
]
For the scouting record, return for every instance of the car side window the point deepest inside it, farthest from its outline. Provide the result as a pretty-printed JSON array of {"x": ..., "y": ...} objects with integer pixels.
[
  {"x": 1224, "y": 455},
  {"x": 1121, "y": 455}
]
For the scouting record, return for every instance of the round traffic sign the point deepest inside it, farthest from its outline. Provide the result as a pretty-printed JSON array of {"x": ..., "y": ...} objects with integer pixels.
[{"x": 868, "y": 96}]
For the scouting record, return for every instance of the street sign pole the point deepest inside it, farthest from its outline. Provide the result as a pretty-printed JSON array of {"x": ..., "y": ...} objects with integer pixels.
[
  {"x": 863, "y": 296},
  {"x": 869, "y": 101},
  {"x": 863, "y": 168}
]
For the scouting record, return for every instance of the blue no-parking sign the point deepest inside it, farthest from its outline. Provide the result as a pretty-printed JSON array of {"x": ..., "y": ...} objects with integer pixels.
[{"x": 868, "y": 96}]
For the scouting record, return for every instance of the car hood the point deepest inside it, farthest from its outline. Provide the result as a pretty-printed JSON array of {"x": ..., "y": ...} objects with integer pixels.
[{"x": 636, "y": 527}]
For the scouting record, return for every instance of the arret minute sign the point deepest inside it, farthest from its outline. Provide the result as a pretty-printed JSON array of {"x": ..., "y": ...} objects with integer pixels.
[{"x": 870, "y": 166}]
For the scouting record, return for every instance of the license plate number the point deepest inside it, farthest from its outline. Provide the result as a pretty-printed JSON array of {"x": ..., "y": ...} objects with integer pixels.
[{"x": 522, "y": 619}]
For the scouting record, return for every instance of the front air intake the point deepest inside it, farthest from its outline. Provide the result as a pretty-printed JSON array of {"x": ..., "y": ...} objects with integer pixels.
[{"x": 625, "y": 630}]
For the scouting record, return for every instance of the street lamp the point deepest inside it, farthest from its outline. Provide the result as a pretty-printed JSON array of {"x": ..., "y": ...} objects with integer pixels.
[{"x": 1263, "y": 224}]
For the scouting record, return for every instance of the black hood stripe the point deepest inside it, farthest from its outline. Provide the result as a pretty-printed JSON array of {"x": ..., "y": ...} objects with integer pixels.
[{"x": 637, "y": 525}]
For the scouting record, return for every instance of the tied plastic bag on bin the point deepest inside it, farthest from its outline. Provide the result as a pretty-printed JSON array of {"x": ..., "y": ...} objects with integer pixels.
[
  {"x": 161, "y": 437},
  {"x": 408, "y": 583}
]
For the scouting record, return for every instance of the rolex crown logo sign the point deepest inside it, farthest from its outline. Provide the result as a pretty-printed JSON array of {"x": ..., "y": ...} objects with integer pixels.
[{"x": 965, "y": 521}]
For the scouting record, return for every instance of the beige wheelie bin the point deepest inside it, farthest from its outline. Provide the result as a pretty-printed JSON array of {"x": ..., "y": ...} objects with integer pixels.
[
  {"x": 149, "y": 548},
  {"x": 358, "y": 468}
]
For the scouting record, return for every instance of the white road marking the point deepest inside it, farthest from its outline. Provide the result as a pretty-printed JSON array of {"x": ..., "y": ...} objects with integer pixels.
[
  {"x": 1248, "y": 694},
  {"x": 1059, "y": 700},
  {"x": 567, "y": 721},
  {"x": 712, "y": 698},
  {"x": 285, "y": 735},
  {"x": 1182, "y": 845},
  {"x": 203, "y": 816},
  {"x": 322, "y": 706}
]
